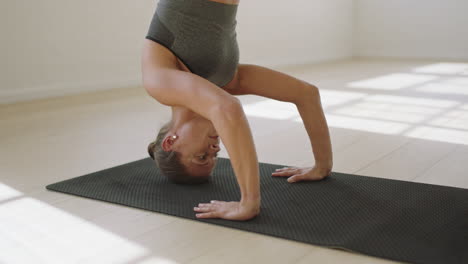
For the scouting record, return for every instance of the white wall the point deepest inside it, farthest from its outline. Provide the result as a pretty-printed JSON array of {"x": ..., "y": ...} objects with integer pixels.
[
  {"x": 61, "y": 47},
  {"x": 435, "y": 29},
  {"x": 294, "y": 31}
]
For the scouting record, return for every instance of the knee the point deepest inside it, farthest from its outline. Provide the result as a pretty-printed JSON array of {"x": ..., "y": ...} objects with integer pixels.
[{"x": 311, "y": 91}]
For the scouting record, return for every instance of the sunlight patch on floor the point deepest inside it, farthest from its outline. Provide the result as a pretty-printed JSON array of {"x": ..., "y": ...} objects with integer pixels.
[
  {"x": 439, "y": 134},
  {"x": 385, "y": 111},
  {"x": 412, "y": 116},
  {"x": 443, "y": 68},
  {"x": 271, "y": 109},
  {"x": 6, "y": 193},
  {"x": 449, "y": 86},
  {"x": 362, "y": 124},
  {"x": 456, "y": 119},
  {"x": 335, "y": 98},
  {"x": 41, "y": 233},
  {"x": 395, "y": 108},
  {"x": 416, "y": 101},
  {"x": 394, "y": 81}
]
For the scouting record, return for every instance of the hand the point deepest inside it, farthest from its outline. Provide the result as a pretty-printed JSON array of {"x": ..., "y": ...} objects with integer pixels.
[
  {"x": 296, "y": 174},
  {"x": 227, "y": 210}
]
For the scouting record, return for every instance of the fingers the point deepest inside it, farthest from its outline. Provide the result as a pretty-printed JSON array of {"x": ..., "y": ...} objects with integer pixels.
[
  {"x": 296, "y": 178},
  {"x": 207, "y": 215},
  {"x": 285, "y": 172},
  {"x": 209, "y": 204},
  {"x": 203, "y": 209},
  {"x": 286, "y": 168},
  {"x": 291, "y": 172},
  {"x": 207, "y": 210},
  {"x": 296, "y": 174}
]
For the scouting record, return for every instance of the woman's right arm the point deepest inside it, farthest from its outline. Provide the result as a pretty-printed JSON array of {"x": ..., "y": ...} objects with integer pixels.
[{"x": 174, "y": 87}]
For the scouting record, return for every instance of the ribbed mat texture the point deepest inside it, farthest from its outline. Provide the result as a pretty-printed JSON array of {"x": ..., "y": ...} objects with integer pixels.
[{"x": 397, "y": 220}]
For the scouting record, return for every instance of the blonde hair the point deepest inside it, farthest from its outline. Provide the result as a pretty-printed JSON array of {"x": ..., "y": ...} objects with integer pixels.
[{"x": 170, "y": 162}]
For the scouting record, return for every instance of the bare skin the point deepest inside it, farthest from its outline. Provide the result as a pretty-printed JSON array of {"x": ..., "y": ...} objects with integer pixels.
[{"x": 200, "y": 155}]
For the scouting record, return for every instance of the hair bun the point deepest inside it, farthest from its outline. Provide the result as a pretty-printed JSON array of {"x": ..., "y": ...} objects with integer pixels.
[{"x": 151, "y": 149}]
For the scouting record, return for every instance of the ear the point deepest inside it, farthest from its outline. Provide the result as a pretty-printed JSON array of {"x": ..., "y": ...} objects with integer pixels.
[{"x": 167, "y": 144}]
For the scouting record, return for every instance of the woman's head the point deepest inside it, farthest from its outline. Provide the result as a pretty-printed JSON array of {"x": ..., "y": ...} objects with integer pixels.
[{"x": 186, "y": 154}]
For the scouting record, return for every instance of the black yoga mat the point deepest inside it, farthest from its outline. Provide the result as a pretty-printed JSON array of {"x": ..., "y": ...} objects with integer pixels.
[{"x": 397, "y": 220}]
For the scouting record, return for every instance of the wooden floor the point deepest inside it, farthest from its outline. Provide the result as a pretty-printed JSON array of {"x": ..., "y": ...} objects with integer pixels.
[{"x": 405, "y": 120}]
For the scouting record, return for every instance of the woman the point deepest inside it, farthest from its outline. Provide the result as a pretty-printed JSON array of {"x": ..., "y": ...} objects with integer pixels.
[{"x": 190, "y": 63}]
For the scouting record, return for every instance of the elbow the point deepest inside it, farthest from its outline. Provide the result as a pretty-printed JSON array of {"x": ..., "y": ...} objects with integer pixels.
[
  {"x": 234, "y": 107},
  {"x": 229, "y": 109}
]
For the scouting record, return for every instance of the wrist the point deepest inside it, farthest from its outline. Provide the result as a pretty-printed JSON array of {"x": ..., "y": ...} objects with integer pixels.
[
  {"x": 251, "y": 205},
  {"x": 324, "y": 167},
  {"x": 250, "y": 201},
  {"x": 324, "y": 164}
]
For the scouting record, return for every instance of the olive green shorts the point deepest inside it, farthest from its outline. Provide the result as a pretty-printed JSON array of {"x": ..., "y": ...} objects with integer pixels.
[{"x": 201, "y": 33}]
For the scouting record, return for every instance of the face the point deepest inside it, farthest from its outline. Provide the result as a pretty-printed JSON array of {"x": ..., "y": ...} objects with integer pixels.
[{"x": 198, "y": 142}]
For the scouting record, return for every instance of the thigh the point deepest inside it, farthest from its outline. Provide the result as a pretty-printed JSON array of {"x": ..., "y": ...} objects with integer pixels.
[
  {"x": 261, "y": 81},
  {"x": 156, "y": 55}
]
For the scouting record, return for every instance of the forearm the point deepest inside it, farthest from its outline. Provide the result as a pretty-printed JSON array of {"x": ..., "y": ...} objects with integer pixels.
[
  {"x": 313, "y": 117},
  {"x": 233, "y": 128}
]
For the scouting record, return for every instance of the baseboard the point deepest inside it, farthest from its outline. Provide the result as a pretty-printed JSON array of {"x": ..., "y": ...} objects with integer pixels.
[{"x": 64, "y": 89}]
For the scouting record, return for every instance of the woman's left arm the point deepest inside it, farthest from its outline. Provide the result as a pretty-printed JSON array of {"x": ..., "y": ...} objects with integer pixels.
[
  {"x": 310, "y": 109},
  {"x": 258, "y": 80},
  {"x": 313, "y": 117}
]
